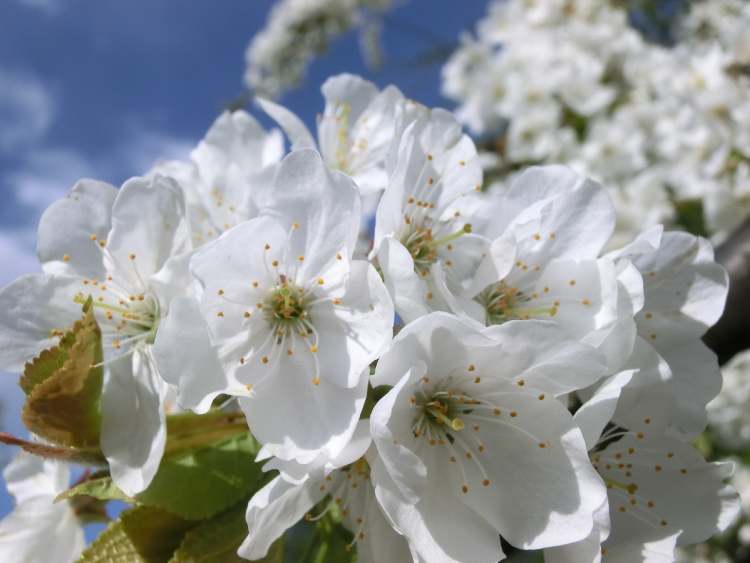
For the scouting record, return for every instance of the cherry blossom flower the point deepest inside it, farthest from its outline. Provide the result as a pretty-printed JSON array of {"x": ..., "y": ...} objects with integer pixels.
[
  {"x": 471, "y": 435},
  {"x": 126, "y": 249},
  {"x": 295, "y": 321},
  {"x": 661, "y": 492},
  {"x": 422, "y": 236},
  {"x": 355, "y": 130}
]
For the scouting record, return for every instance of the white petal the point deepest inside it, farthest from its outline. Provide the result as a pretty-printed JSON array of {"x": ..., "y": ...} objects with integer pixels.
[
  {"x": 33, "y": 306},
  {"x": 355, "y": 332},
  {"x": 685, "y": 290},
  {"x": 382, "y": 544},
  {"x": 186, "y": 359},
  {"x": 291, "y": 124},
  {"x": 436, "y": 339},
  {"x": 649, "y": 395},
  {"x": 64, "y": 244},
  {"x": 408, "y": 291},
  {"x": 324, "y": 204},
  {"x": 236, "y": 138},
  {"x": 696, "y": 380},
  {"x": 581, "y": 217},
  {"x": 389, "y": 419},
  {"x": 322, "y": 417},
  {"x": 588, "y": 550},
  {"x": 496, "y": 264},
  {"x": 133, "y": 422},
  {"x": 661, "y": 550},
  {"x": 40, "y": 531},
  {"x": 273, "y": 510},
  {"x": 595, "y": 413},
  {"x": 539, "y": 496},
  {"x": 148, "y": 227},
  {"x": 675, "y": 490},
  {"x": 644, "y": 243},
  {"x": 235, "y": 272},
  {"x": 439, "y": 529},
  {"x": 28, "y": 476},
  {"x": 298, "y": 473},
  {"x": 541, "y": 354}
]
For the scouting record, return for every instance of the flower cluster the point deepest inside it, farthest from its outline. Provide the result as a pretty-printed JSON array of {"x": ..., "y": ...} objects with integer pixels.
[
  {"x": 297, "y": 31},
  {"x": 663, "y": 127},
  {"x": 541, "y": 389}
]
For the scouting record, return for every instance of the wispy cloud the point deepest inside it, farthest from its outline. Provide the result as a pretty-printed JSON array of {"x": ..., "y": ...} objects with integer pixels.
[
  {"x": 48, "y": 173},
  {"x": 17, "y": 250},
  {"x": 26, "y": 109},
  {"x": 37, "y": 172},
  {"x": 47, "y": 6}
]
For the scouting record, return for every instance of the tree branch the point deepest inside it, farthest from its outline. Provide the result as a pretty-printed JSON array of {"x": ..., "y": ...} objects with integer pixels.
[{"x": 732, "y": 333}]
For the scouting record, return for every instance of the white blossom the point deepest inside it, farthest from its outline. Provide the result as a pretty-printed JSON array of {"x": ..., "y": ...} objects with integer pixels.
[
  {"x": 39, "y": 529},
  {"x": 126, "y": 249},
  {"x": 294, "y": 319},
  {"x": 471, "y": 432}
]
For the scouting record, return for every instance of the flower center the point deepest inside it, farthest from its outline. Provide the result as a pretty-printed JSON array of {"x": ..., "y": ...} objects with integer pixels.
[
  {"x": 126, "y": 320},
  {"x": 286, "y": 303},
  {"x": 423, "y": 246},
  {"x": 343, "y": 144},
  {"x": 504, "y": 303},
  {"x": 453, "y": 415}
]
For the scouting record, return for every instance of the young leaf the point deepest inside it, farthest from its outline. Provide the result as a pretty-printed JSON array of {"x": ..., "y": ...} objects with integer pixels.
[
  {"x": 141, "y": 535},
  {"x": 46, "y": 363},
  {"x": 217, "y": 540},
  {"x": 201, "y": 483},
  {"x": 65, "y": 386}
]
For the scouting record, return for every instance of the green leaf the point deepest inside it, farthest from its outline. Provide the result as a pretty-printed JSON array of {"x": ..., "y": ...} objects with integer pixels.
[
  {"x": 101, "y": 488},
  {"x": 204, "y": 482},
  {"x": 216, "y": 540},
  {"x": 64, "y": 388},
  {"x": 141, "y": 535}
]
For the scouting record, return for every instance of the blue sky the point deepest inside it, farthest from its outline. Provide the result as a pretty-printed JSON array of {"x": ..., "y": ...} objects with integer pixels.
[{"x": 105, "y": 88}]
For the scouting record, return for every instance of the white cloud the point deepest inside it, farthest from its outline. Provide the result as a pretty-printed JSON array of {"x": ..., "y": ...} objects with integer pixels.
[
  {"x": 19, "y": 255},
  {"x": 145, "y": 147},
  {"x": 48, "y": 173},
  {"x": 47, "y": 6},
  {"x": 26, "y": 109}
]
